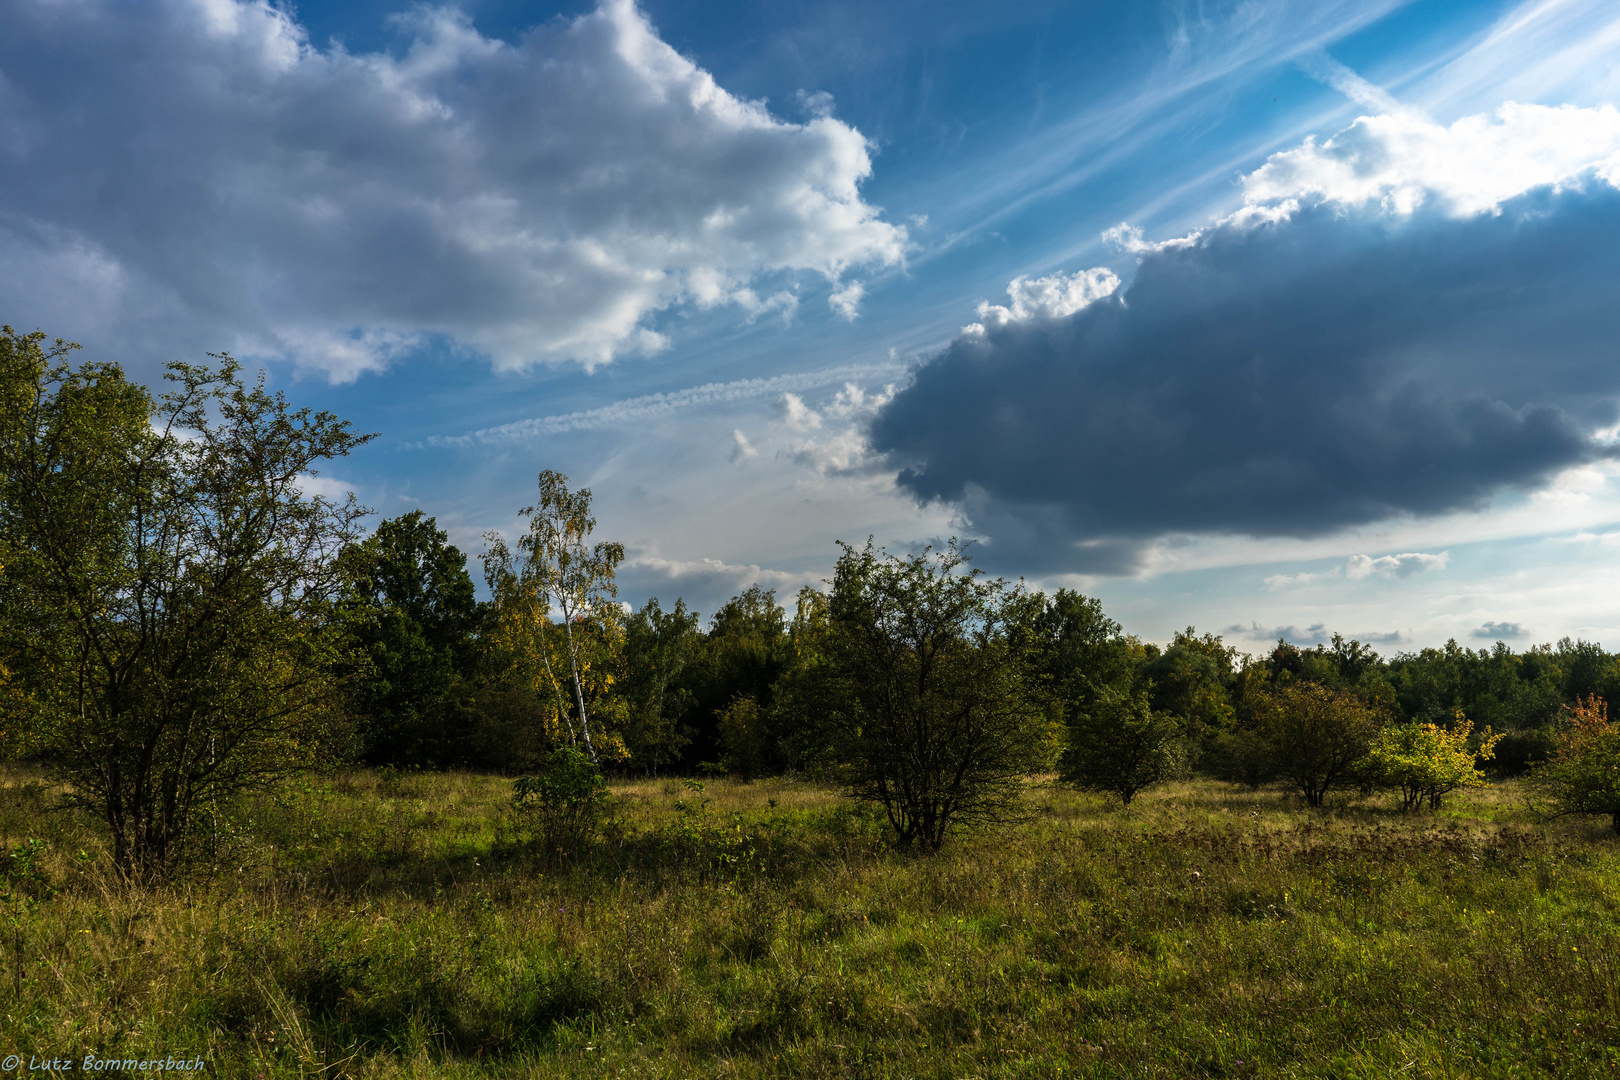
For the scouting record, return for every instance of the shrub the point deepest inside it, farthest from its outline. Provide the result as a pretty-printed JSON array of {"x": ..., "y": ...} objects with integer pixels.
[
  {"x": 1318, "y": 734},
  {"x": 1522, "y": 749},
  {"x": 1242, "y": 757},
  {"x": 1122, "y": 746},
  {"x": 165, "y": 606},
  {"x": 566, "y": 798},
  {"x": 926, "y": 692},
  {"x": 1583, "y": 776},
  {"x": 1425, "y": 761}
]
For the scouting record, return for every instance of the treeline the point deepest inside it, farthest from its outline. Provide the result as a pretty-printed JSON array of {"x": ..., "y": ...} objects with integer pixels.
[{"x": 452, "y": 681}]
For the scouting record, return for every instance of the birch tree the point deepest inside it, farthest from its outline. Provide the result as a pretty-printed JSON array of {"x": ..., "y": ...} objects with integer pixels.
[{"x": 556, "y": 570}]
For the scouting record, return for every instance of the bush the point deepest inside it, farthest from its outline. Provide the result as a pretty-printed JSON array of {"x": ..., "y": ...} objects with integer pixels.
[
  {"x": 165, "y": 606},
  {"x": 567, "y": 800},
  {"x": 1583, "y": 776},
  {"x": 1242, "y": 757},
  {"x": 1522, "y": 749},
  {"x": 926, "y": 691},
  {"x": 1425, "y": 761},
  {"x": 1319, "y": 735},
  {"x": 1122, "y": 746}
]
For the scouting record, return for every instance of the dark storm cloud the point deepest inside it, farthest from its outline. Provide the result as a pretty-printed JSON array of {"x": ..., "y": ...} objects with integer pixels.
[{"x": 1337, "y": 368}]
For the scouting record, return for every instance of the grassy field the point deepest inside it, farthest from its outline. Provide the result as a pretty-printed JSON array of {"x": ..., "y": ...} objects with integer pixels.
[{"x": 377, "y": 926}]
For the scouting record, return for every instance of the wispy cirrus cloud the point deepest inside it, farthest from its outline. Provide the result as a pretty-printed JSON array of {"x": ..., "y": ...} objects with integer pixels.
[{"x": 650, "y": 406}]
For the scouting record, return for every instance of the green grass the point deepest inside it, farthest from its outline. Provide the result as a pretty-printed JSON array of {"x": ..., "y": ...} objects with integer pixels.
[{"x": 357, "y": 926}]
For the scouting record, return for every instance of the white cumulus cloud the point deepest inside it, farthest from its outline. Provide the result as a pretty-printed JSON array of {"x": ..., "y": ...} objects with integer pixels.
[
  {"x": 741, "y": 448},
  {"x": 846, "y": 301},
  {"x": 196, "y": 171},
  {"x": 841, "y": 450},
  {"x": 1403, "y": 159},
  {"x": 796, "y": 414},
  {"x": 1395, "y": 566},
  {"x": 1046, "y": 297}
]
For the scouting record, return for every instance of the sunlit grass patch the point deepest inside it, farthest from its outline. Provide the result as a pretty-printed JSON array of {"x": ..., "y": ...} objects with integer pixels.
[{"x": 379, "y": 925}]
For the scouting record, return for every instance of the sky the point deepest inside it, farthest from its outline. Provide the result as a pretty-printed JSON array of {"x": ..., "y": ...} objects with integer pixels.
[{"x": 1273, "y": 319}]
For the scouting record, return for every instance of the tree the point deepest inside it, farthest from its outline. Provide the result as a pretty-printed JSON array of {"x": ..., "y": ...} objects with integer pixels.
[
  {"x": 927, "y": 690},
  {"x": 1083, "y": 651},
  {"x": 659, "y": 647},
  {"x": 796, "y": 715},
  {"x": 411, "y": 608},
  {"x": 1426, "y": 761},
  {"x": 560, "y": 570},
  {"x": 1317, "y": 734},
  {"x": 1242, "y": 756},
  {"x": 168, "y": 586},
  {"x": 744, "y": 739},
  {"x": 744, "y": 656},
  {"x": 1583, "y": 776},
  {"x": 1189, "y": 680},
  {"x": 1121, "y": 745}
]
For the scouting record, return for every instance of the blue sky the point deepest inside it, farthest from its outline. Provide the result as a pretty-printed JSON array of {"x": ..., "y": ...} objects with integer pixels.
[{"x": 1270, "y": 318}]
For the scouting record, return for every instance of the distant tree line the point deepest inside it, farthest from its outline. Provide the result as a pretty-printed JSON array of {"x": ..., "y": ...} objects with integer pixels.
[
  {"x": 450, "y": 683},
  {"x": 179, "y": 621}
]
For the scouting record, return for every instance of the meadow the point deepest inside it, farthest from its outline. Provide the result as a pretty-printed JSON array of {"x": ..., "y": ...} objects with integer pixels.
[{"x": 379, "y": 924}]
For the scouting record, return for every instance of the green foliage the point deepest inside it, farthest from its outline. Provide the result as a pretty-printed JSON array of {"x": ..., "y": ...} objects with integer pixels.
[
  {"x": 1243, "y": 757},
  {"x": 659, "y": 649},
  {"x": 1587, "y": 670},
  {"x": 1522, "y": 749},
  {"x": 168, "y": 587},
  {"x": 411, "y": 610},
  {"x": 1121, "y": 745},
  {"x": 1583, "y": 776},
  {"x": 744, "y": 655},
  {"x": 795, "y": 717},
  {"x": 745, "y": 747},
  {"x": 566, "y": 799},
  {"x": 556, "y": 570},
  {"x": 1318, "y": 735},
  {"x": 1082, "y": 650},
  {"x": 1426, "y": 761},
  {"x": 1496, "y": 687},
  {"x": 1189, "y": 680},
  {"x": 23, "y": 881},
  {"x": 927, "y": 690}
]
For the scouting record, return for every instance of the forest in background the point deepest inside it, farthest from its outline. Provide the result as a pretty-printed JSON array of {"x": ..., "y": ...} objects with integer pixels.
[{"x": 680, "y": 694}]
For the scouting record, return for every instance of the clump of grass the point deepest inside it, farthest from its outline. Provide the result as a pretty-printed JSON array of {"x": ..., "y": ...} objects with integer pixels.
[{"x": 367, "y": 926}]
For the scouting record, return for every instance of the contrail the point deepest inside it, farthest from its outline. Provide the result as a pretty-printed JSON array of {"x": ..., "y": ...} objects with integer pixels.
[{"x": 650, "y": 405}]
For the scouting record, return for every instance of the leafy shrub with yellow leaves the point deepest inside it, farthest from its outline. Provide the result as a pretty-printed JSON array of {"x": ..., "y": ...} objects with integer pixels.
[{"x": 1426, "y": 761}]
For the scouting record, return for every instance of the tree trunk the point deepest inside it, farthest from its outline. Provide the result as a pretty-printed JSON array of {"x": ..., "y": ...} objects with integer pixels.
[{"x": 579, "y": 691}]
